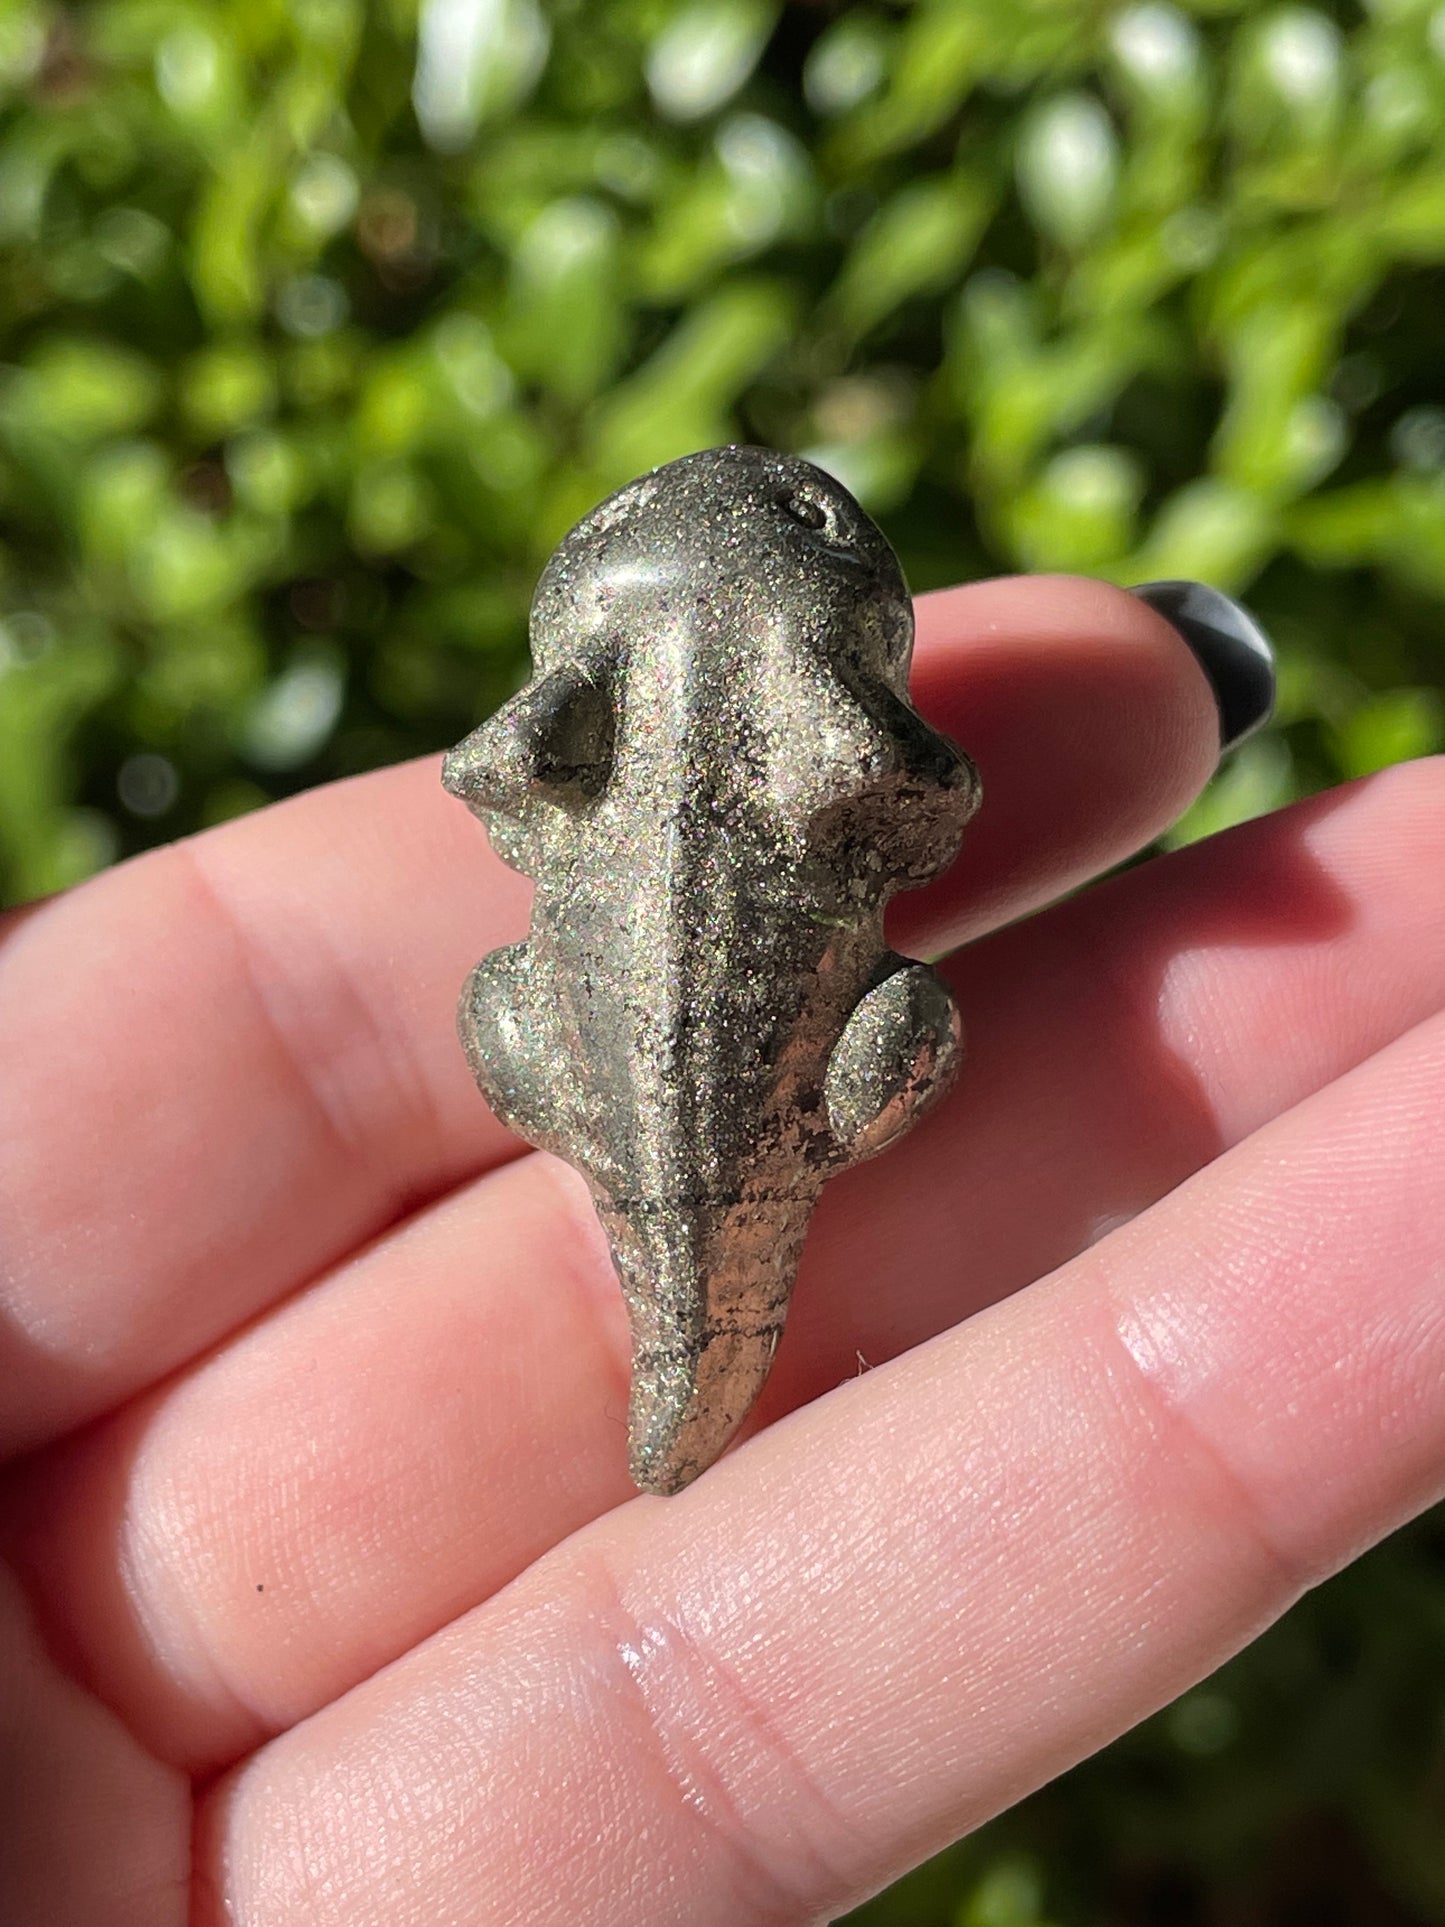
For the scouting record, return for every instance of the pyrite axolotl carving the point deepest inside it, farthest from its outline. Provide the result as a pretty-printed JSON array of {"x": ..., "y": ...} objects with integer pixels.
[{"x": 717, "y": 780}]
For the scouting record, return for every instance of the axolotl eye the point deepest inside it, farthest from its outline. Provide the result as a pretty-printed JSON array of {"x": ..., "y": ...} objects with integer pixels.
[
  {"x": 822, "y": 518},
  {"x": 805, "y": 509}
]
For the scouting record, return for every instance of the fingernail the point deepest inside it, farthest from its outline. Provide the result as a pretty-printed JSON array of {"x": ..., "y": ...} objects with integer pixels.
[{"x": 1229, "y": 646}]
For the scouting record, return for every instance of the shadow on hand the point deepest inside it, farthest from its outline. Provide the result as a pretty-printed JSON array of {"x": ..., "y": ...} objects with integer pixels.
[{"x": 1092, "y": 1087}]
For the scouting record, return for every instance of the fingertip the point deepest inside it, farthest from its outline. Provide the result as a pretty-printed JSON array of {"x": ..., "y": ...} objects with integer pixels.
[
  {"x": 1230, "y": 646},
  {"x": 1120, "y": 659},
  {"x": 1093, "y": 722}
]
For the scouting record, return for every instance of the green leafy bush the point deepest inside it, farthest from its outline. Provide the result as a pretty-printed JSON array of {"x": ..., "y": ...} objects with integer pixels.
[{"x": 320, "y": 322}]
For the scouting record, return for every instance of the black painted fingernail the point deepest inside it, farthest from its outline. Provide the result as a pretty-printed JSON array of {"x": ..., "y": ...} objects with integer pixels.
[{"x": 1230, "y": 647}]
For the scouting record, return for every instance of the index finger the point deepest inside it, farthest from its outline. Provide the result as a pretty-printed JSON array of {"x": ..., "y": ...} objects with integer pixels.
[{"x": 230, "y": 1062}]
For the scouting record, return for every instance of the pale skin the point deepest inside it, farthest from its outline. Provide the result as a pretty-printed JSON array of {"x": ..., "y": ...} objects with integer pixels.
[{"x": 334, "y": 1605}]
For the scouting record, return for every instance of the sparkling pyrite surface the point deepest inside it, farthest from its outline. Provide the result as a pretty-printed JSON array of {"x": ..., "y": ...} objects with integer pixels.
[{"x": 717, "y": 781}]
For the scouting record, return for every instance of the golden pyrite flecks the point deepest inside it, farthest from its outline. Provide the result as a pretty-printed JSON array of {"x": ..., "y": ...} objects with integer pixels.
[{"x": 717, "y": 780}]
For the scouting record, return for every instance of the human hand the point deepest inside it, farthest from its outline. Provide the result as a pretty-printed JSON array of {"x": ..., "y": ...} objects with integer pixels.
[{"x": 334, "y": 1606}]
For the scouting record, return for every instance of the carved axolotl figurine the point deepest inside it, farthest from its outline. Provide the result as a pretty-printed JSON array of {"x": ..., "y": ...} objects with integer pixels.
[{"x": 717, "y": 781}]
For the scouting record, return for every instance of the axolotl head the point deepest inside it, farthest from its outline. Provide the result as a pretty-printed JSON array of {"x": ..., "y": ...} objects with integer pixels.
[
  {"x": 743, "y": 623},
  {"x": 729, "y": 540}
]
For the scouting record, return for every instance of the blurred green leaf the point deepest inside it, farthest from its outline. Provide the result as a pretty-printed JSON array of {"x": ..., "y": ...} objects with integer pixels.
[
  {"x": 566, "y": 327},
  {"x": 704, "y": 53},
  {"x": 1391, "y": 728},
  {"x": 682, "y": 397},
  {"x": 1068, "y": 167},
  {"x": 227, "y": 386},
  {"x": 47, "y": 842},
  {"x": 1079, "y": 513},
  {"x": 940, "y": 51},
  {"x": 83, "y": 390},
  {"x": 919, "y": 242}
]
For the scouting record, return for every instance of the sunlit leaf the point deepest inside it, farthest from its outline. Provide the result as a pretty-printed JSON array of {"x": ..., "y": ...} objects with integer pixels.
[
  {"x": 919, "y": 242},
  {"x": 1068, "y": 166},
  {"x": 704, "y": 53}
]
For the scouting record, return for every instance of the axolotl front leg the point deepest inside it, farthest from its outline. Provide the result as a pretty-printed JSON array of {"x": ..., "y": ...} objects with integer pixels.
[
  {"x": 898, "y": 1053},
  {"x": 543, "y": 756},
  {"x": 504, "y": 1024}
]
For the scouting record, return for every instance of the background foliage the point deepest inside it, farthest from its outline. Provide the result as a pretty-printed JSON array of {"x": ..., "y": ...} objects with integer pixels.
[{"x": 319, "y": 322}]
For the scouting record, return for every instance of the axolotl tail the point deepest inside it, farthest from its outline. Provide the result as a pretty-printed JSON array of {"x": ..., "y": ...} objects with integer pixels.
[{"x": 707, "y": 1287}]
